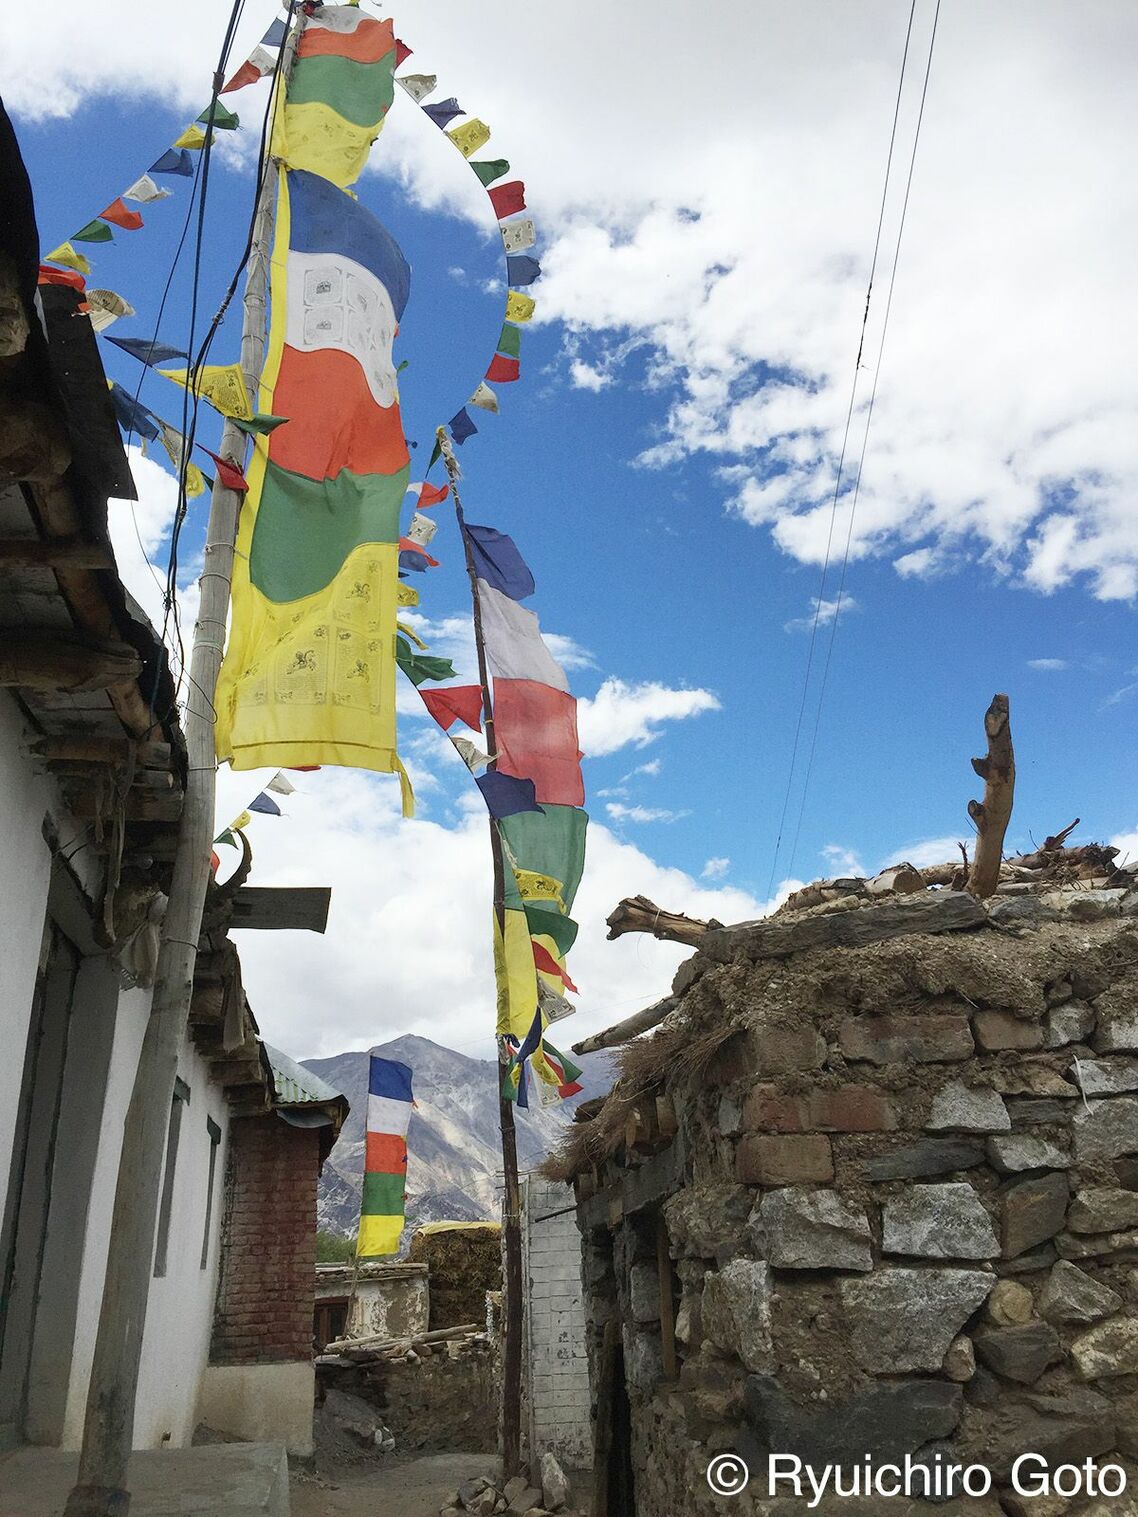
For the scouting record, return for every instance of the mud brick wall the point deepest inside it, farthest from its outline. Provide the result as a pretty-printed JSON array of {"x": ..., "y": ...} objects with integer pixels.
[
  {"x": 438, "y": 1400},
  {"x": 268, "y": 1263},
  {"x": 901, "y": 1208}
]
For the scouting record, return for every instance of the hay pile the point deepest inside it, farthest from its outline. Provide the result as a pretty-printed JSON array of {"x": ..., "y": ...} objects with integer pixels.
[{"x": 465, "y": 1261}]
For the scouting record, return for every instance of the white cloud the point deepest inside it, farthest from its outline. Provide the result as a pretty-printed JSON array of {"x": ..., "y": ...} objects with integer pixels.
[
  {"x": 622, "y": 813},
  {"x": 623, "y": 713},
  {"x": 651, "y": 769},
  {"x": 842, "y": 861},
  {"x": 584, "y": 376},
  {"x": 1048, "y": 665},
  {"x": 821, "y": 614},
  {"x": 1127, "y": 844},
  {"x": 715, "y": 869},
  {"x": 924, "y": 853}
]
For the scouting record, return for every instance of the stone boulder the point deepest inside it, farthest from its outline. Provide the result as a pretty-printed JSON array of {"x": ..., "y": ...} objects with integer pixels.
[
  {"x": 736, "y": 1312},
  {"x": 939, "y": 1222},
  {"x": 905, "y": 1319},
  {"x": 800, "y": 1228}
]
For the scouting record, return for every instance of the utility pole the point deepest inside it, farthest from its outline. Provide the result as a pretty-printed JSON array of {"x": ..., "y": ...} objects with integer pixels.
[
  {"x": 101, "y": 1487},
  {"x": 513, "y": 1311}
]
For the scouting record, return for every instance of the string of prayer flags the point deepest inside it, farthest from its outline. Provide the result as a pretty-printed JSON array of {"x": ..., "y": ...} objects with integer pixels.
[
  {"x": 455, "y": 703},
  {"x": 470, "y": 136},
  {"x": 144, "y": 190},
  {"x": 484, "y": 398},
  {"x": 222, "y": 384},
  {"x": 383, "y": 1200},
  {"x": 174, "y": 161},
  {"x": 147, "y": 350},
  {"x": 265, "y": 804}
]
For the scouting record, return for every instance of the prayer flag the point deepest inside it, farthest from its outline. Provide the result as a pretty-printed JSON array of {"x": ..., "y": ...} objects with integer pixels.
[
  {"x": 147, "y": 349},
  {"x": 535, "y": 728},
  {"x": 503, "y": 370},
  {"x": 432, "y": 495},
  {"x": 484, "y": 398},
  {"x": 260, "y": 425},
  {"x": 119, "y": 213},
  {"x": 470, "y": 136},
  {"x": 241, "y": 821},
  {"x": 547, "y": 964},
  {"x": 443, "y": 111},
  {"x": 176, "y": 162},
  {"x": 229, "y": 473},
  {"x": 489, "y": 169},
  {"x": 498, "y": 562},
  {"x": 227, "y": 838},
  {"x": 107, "y": 307},
  {"x": 145, "y": 190},
  {"x": 175, "y": 445},
  {"x": 510, "y": 340},
  {"x": 461, "y": 703},
  {"x": 422, "y": 529},
  {"x": 551, "y": 844},
  {"x": 222, "y": 384},
  {"x": 67, "y": 255},
  {"x": 265, "y": 803},
  {"x": 412, "y": 546},
  {"x": 508, "y": 199},
  {"x": 224, "y": 120},
  {"x": 515, "y": 648},
  {"x": 418, "y": 86},
  {"x": 420, "y": 666},
  {"x": 461, "y": 426},
  {"x": 389, "y": 1105},
  {"x": 519, "y": 307},
  {"x": 280, "y": 784},
  {"x": 309, "y": 675},
  {"x": 249, "y": 72},
  {"x": 132, "y": 415},
  {"x": 191, "y": 139},
  {"x": 340, "y": 91},
  {"x": 518, "y": 235},
  {"x": 94, "y": 231},
  {"x": 505, "y": 794},
  {"x": 48, "y": 275},
  {"x": 522, "y": 270},
  {"x": 402, "y": 52},
  {"x": 275, "y": 35},
  {"x": 471, "y": 756}
]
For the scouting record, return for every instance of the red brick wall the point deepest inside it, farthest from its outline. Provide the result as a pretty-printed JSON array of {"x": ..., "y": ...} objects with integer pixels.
[{"x": 268, "y": 1258}]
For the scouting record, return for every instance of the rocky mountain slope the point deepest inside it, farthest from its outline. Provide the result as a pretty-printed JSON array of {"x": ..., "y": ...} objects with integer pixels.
[{"x": 454, "y": 1152}]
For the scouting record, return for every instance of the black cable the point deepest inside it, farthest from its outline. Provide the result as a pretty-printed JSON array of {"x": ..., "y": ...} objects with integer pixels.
[
  {"x": 865, "y": 441},
  {"x": 842, "y": 456}
]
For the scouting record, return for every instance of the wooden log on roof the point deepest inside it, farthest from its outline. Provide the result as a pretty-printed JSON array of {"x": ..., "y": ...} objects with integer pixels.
[
  {"x": 53, "y": 552},
  {"x": 991, "y": 815},
  {"x": 138, "y": 805},
  {"x": 92, "y": 748},
  {"x": 61, "y": 661},
  {"x": 631, "y": 1027},
  {"x": 638, "y": 914}
]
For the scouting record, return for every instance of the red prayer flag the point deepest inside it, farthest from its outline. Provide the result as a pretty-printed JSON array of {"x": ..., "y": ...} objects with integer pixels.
[
  {"x": 248, "y": 73},
  {"x": 214, "y": 861},
  {"x": 461, "y": 703},
  {"x": 508, "y": 199},
  {"x": 431, "y": 495},
  {"x": 385, "y": 1153},
  {"x": 408, "y": 545},
  {"x": 535, "y": 732},
  {"x": 503, "y": 369},
  {"x": 545, "y": 961},
  {"x": 48, "y": 275},
  {"x": 121, "y": 215},
  {"x": 229, "y": 474},
  {"x": 402, "y": 51}
]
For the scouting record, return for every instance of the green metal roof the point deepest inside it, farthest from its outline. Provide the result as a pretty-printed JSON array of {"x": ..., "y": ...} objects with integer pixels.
[{"x": 297, "y": 1086}]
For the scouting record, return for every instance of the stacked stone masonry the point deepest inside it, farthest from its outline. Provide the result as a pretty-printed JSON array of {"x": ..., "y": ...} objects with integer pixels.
[{"x": 901, "y": 1208}]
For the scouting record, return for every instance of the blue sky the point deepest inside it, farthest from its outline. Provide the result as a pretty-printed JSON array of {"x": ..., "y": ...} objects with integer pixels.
[{"x": 666, "y": 462}]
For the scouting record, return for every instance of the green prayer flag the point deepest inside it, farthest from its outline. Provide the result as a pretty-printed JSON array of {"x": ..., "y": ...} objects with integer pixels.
[
  {"x": 489, "y": 169},
  {"x": 227, "y": 837},
  {"x": 421, "y": 666},
  {"x": 436, "y": 454},
  {"x": 223, "y": 120},
  {"x": 94, "y": 231},
  {"x": 382, "y": 1195},
  {"x": 259, "y": 424},
  {"x": 550, "y": 841},
  {"x": 510, "y": 341}
]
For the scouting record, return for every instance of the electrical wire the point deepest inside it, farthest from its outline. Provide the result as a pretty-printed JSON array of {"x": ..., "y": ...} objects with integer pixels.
[
  {"x": 842, "y": 456},
  {"x": 864, "y": 442}
]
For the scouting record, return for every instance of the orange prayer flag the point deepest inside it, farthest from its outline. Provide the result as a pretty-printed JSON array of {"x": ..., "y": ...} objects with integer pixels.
[{"x": 119, "y": 213}]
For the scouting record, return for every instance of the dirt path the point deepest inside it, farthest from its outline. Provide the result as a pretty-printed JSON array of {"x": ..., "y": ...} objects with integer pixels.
[{"x": 406, "y": 1488}]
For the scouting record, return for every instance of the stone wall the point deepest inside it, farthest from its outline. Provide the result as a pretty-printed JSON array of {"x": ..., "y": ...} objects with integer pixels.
[
  {"x": 556, "y": 1365},
  {"x": 901, "y": 1207},
  {"x": 435, "y": 1400}
]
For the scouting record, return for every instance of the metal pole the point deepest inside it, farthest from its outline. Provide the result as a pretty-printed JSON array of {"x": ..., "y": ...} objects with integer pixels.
[
  {"x": 513, "y": 1311},
  {"x": 101, "y": 1488}
]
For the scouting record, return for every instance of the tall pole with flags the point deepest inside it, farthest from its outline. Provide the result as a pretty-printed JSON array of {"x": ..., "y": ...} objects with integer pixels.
[
  {"x": 101, "y": 1487},
  {"x": 513, "y": 1309}
]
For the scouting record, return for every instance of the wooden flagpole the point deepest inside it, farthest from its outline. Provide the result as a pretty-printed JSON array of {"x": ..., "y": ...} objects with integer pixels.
[
  {"x": 513, "y": 1306},
  {"x": 101, "y": 1488}
]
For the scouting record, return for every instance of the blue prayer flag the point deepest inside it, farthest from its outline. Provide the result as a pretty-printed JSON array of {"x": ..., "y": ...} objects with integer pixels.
[
  {"x": 389, "y": 1078},
  {"x": 521, "y": 269},
  {"x": 506, "y": 795},
  {"x": 266, "y": 804},
  {"x": 461, "y": 426},
  {"x": 146, "y": 350},
  {"x": 132, "y": 415},
  {"x": 443, "y": 111},
  {"x": 498, "y": 562},
  {"x": 174, "y": 161}
]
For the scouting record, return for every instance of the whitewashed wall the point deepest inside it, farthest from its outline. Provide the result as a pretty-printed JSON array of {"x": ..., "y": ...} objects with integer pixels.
[{"x": 557, "y": 1370}]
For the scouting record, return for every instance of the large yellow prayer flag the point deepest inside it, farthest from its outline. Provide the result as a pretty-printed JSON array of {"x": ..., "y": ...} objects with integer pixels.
[{"x": 222, "y": 384}]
